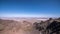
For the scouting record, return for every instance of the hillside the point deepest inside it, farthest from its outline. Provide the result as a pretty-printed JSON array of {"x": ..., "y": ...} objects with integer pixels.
[{"x": 16, "y": 27}]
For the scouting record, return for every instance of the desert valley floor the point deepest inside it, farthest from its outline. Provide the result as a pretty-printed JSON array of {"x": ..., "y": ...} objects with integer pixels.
[{"x": 18, "y": 25}]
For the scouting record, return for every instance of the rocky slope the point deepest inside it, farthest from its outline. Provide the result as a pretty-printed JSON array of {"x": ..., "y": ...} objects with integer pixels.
[{"x": 16, "y": 27}]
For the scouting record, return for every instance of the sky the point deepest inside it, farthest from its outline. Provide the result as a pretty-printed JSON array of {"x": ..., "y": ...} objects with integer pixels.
[{"x": 29, "y": 8}]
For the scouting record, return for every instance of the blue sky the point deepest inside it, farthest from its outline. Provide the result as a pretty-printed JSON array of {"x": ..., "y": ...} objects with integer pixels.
[{"x": 29, "y": 8}]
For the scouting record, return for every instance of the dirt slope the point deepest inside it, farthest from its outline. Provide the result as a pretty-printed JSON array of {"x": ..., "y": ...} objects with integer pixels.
[{"x": 16, "y": 27}]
